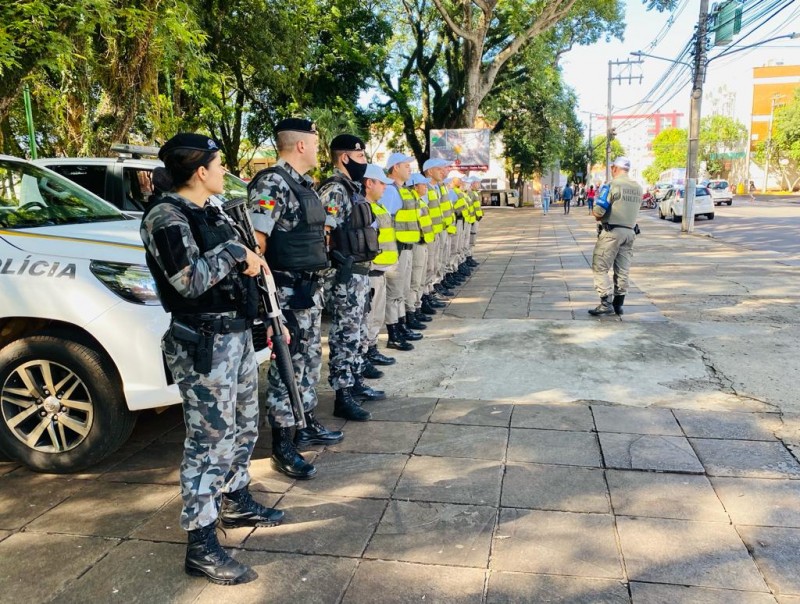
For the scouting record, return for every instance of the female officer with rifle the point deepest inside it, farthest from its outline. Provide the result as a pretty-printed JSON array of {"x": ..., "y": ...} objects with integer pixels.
[{"x": 204, "y": 275}]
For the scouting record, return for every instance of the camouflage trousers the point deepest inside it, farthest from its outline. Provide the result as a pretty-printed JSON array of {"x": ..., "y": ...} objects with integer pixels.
[
  {"x": 613, "y": 250},
  {"x": 305, "y": 327},
  {"x": 348, "y": 332},
  {"x": 220, "y": 410}
]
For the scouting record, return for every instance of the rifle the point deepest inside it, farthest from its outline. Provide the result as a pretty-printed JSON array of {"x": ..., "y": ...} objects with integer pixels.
[{"x": 237, "y": 210}]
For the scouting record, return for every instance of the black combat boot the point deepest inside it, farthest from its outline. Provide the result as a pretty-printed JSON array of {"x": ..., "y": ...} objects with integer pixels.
[
  {"x": 240, "y": 509},
  {"x": 443, "y": 290},
  {"x": 602, "y": 309},
  {"x": 376, "y": 358},
  {"x": 396, "y": 339},
  {"x": 206, "y": 558},
  {"x": 362, "y": 392},
  {"x": 405, "y": 332},
  {"x": 454, "y": 278},
  {"x": 427, "y": 308},
  {"x": 617, "y": 304},
  {"x": 315, "y": 434},
  {"x": 421, "y": 316},
  {"x": 464, "y": 270},
  {"x": 472, "y": 262},
  {"x": 435, "y": 301},
  {"x": 370, "y": 371},
  {"x": 412, "y": 322},
  {"x": 285, "y": 457},
  {"x": 347, "y": 407}
]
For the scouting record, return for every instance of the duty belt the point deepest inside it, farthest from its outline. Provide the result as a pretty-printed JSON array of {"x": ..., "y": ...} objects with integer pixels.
[
  {"x": 360, "y": 268},
  {"x": 402, "y": 247},
  {"x": 215, "y": 323},
  {"x": 610, "y": 227}
]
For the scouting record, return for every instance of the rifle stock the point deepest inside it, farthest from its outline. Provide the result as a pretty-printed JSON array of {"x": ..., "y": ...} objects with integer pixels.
[{"x": 237, "y": 210}]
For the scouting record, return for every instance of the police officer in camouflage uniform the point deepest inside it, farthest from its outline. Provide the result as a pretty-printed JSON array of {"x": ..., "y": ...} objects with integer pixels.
[
  {"x": 204, "y": 276},
  {"x": 289, "y": 221},
  {"x": 353, "y": 244},
  {"x": 616, "y": 210}
]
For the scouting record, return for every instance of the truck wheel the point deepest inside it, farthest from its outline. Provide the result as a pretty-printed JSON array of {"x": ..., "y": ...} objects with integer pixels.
[{"x": 61, "y": 405}]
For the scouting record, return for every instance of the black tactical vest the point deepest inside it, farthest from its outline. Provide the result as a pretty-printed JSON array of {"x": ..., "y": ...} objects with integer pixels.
[
  {"x": 302, "y": 248},
  {"x": 356, "y": 238},
  {"x": 236, "y": 292}
]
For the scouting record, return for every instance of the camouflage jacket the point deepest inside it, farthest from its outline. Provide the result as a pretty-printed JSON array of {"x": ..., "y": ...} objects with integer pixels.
[
  {"x": 337, "y": 202},
  {"x": 272, "y": 204}
]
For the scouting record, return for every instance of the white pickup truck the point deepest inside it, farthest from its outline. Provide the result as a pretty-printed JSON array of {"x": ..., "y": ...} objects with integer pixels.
[{"x": 80, "y": 323}]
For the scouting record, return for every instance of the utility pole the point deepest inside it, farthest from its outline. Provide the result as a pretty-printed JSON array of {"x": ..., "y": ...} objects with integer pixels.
[
  {"x": 687, "y": 224},
  {"x": 610, "y": 133},
  {"x": 775, "y": 97}
]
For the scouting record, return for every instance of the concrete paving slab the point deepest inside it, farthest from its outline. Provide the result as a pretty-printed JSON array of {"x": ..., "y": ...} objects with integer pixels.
[
  {"x": 104, "y": 509},
  {"x": 554, "y": 447},
  {"x": 406, "y": 583},
  {"x": 574, "y": 418},
  {"x": 557, "y": 543},
  {"x": 152, "y": 425},
  {"x": 660, "y": 495},
  {"x": 157, "y": 463},
  {"x": 35, "y": 567},
  {"x": 321, "y": 525},
  {"x": 551, "y": 487},
  {"x": 285, "y": 579},
  {"x": 380, "y": 437},
  {"x": 746, "y": 459},
  {"x": 649, "y": 452},
  {"x": 788, "y": 599},
  {"x": 760, "y": 502},
  {"x": 743, "y": 426},
  {"x": 5, "y": 534},
  {"x": 635, "y": 421},
  {"x": 550, "y": 315},
  {"x": 777, "y": 554},
  {"x": 474, "y": 442},
  {"x": 42, "y": 492},
  {"x": 341, "y": 474},
  {"x": 402, "y": 409},
  {"x": 471, "y": 412},
  {"x": 434, "y": 533},
  {"x": 512, "y": 588},
  {"x": 653, "y": 593},
  {"x": 136, "y": 571},
  {"x": 451, "y": 480},
  {"x": 264, "y": 478},
  {"x": 703, "y": 554}
]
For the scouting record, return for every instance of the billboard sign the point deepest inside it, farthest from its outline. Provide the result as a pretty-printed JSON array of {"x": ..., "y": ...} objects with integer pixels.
[{"x": 467, "y": 148}]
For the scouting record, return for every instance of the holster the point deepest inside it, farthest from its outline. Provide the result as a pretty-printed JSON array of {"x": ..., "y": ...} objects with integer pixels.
[
  {"x": 299, "y": 337},
  {"x": 199, "y": 343},
  {"x": 303, "y": 287}
]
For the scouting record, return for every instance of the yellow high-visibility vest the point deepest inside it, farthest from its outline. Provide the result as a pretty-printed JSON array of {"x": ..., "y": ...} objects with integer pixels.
[
  {"x": 476, "y": 204},
  {"x": 464, "y": 205},
  {"x": 406, "y": 226},
  {"x": 435, "y": 210},
  {"x": 448, "y": 216},
  {"x": 425, "y": 221},
  {"x": 386, "y": 237}
]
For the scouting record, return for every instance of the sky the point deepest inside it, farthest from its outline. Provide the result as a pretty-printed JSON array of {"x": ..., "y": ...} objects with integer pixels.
[{"x": 586, "y": 68}]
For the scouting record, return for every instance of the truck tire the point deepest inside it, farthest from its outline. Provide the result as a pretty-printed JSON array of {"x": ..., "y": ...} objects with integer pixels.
[{"x": 62, "y": 408}]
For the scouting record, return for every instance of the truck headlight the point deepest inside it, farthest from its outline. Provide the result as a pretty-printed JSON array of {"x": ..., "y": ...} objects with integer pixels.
[{"x": 131, "y": 282}]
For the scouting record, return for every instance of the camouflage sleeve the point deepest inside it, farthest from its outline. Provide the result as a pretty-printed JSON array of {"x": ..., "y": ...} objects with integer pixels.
[
  {"x": 333, "y": 198},
  {"x": 169, "y": 239},
  {"x": 267, "y": 200}
]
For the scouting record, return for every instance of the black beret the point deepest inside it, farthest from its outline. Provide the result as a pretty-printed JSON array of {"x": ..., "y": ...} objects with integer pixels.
[
  {"x": 188, "y": 140},
  {"x": 296, "y": 124},
  {"x": 347, "y": 142}
]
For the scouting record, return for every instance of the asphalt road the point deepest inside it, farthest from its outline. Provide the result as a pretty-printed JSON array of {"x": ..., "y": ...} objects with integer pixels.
[{"x": 767, "y": 224}]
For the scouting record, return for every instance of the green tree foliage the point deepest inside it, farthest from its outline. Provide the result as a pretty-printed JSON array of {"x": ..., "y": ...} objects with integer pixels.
[
  {"x": 785, "y": 143},
  {"x": 670, "y": 148},
  {"x": 598, "y": 153},
  {"x": 719, "y": 134}
]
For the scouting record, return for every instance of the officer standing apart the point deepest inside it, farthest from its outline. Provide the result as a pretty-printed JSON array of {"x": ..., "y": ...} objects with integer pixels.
[
  {"x": 289, "y": 221},
  {"x": 616, "y": 210},
  {"x": 353, "y": 243},
  {"x": 204, "y": 276}
]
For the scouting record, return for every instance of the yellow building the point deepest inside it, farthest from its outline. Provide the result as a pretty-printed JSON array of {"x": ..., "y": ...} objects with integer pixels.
[{"x": 772, "y": 86}]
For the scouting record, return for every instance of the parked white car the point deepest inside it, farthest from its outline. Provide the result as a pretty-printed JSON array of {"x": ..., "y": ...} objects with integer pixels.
[
  {"x": 671, "y": 205},
  {"x": 80, "y": 323},
  {"x": 720, "y": 192}
]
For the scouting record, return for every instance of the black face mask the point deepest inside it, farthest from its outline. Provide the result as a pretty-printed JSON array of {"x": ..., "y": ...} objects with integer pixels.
[{"x": 355, "y": 170}]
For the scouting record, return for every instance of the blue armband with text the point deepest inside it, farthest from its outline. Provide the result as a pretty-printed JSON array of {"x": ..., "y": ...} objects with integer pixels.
[{"x": 602, "y": 198}]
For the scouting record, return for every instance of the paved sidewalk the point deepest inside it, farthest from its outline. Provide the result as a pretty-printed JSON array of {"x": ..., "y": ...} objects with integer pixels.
[{"x": 570, "y": 478}]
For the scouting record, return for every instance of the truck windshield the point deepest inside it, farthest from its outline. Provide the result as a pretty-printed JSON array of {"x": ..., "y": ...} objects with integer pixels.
[{"x": 31, "y": 196}]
